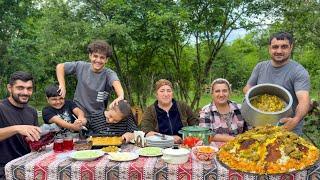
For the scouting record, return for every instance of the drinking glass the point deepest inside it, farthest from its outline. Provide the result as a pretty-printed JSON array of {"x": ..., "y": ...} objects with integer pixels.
[
  {"x": 58, "y": 145},
  {"x": 68, "y": 143}
]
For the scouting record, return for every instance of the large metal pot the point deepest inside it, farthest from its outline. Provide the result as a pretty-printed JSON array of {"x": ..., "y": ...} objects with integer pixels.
[{"x": 254, "y": 116}]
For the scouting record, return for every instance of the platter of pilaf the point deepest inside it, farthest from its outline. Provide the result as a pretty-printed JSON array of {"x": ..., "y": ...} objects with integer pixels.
[{"x": 268, "y": 150}]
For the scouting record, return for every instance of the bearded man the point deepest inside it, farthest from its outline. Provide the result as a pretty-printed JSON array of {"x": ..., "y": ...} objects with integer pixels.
[
  {"x": 18, "y": 121},
  {"x": 284, "y": 71}
]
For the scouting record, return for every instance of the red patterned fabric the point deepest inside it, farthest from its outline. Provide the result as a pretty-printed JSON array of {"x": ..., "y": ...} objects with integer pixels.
[{"x": 47, "y": 165}]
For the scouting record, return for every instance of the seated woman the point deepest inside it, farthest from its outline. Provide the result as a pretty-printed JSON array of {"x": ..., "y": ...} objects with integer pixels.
[
  {"x": 166, "y": 115},
  {"x": 222, "y": 116}
]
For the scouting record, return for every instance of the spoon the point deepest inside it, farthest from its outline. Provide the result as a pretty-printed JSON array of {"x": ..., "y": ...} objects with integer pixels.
[{"x": 163, "y": 137}]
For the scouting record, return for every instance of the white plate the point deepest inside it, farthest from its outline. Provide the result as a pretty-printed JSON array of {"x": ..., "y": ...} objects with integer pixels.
[
  {"x": 122, "y": 156},
  {"x": 86, "y": 155},
  {"x": 150, "y": 151}
]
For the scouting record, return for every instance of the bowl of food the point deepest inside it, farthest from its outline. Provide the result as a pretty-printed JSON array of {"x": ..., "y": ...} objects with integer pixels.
[
  {"x": 82, "y": 145},
  {"x": 266, "y": 104},
  {"x": 109, "y": 149},
  {"x": 204, "y": 153},
  {"x": 192, "y": 134}
]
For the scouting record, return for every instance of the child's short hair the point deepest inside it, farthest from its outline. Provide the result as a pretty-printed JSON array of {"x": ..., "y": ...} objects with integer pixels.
[
  {"x": 52, "y": 90},
  {"x": 123, "y": 107}
]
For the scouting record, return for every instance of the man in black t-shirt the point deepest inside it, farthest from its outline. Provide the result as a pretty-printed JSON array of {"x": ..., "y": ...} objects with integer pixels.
[
  {"x": 60, "y": 112},
  {"x": 17, "y": 119}
]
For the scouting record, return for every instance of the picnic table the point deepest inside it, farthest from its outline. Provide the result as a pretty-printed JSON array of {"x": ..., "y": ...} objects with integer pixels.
[{"x": 51, "y": 166}]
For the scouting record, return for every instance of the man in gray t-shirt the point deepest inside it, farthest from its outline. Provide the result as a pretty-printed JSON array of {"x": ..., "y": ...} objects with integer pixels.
[
  {"x": 94, "y": 80},
  {"x": 283, "y": 71}
]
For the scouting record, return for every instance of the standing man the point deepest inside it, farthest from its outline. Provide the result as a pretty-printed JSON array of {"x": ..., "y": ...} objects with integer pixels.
[
  {"x": 95, "y": 82},
  {"x": 283, "y": 71},
  {"x": 17, "y": 119}
]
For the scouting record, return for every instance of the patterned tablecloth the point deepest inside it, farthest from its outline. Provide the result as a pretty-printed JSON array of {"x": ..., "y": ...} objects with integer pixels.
[{"x": 52, "y": 166}]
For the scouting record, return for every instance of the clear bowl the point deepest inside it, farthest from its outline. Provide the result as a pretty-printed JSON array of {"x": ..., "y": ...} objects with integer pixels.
[
  {"x": 82, "y": 145},
  {"x": 204, "y": 153}
]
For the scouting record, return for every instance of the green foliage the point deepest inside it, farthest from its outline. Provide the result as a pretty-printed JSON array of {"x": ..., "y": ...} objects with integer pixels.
[
  {"x": 312, "y": 129},
  {"x": 183, "y": 41}
]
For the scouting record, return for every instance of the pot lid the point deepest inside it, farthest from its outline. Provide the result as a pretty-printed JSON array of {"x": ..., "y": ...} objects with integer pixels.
[
  {"x": 176, "y": 152},
  {"x": 195, "y": 128}
]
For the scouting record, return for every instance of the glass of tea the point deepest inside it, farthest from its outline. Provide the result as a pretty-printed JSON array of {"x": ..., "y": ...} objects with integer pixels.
[
  {"x": 68, "y": 143},
  {"x": 58, "y": 144}
]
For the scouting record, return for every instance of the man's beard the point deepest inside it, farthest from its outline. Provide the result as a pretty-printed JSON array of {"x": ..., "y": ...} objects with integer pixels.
[
  {"x": 15, "y": 97},
  {"x": 281, "y": 62}
]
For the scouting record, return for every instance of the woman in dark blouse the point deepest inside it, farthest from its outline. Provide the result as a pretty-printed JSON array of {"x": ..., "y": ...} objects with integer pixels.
[{"x": 166, "y": 115}]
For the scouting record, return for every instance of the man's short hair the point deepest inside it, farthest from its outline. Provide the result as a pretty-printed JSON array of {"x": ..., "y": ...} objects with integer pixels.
[
  {"x": 101, "y": 47},
  {"x": 52, "y": 90},
  {"x": 124, "y": 108},
  {"x": 20, "y": 75},
  {"x": 281, "y": 36}
]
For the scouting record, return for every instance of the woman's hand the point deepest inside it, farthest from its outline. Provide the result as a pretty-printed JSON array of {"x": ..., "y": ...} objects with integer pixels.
[
  {"x": 128, "y": 136},
  {"x": 151, "y": 133},
  {"x": 177, "y": 139}
]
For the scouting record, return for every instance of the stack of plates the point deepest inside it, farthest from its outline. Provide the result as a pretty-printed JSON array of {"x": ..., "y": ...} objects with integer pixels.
[{"x": 157, "y": 141}]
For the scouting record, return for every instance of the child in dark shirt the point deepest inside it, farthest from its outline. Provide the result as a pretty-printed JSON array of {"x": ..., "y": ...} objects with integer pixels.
[
  {"x": 117, "y": 121},
  {"x": 62, "y": 112}
]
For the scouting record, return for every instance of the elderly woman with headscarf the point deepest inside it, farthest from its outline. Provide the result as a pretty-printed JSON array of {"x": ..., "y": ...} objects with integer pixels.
[
  {"x": 167, "y": 115},
  {"x": 222, "y": 116}
]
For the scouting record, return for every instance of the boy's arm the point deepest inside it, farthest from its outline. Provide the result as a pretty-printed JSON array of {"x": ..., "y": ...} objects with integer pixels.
[
  {"x": 61, "y": 79},
  {"x": 80, "y": 115},
  {"x": 119, "y": 91},
  {"x": 62, "y": 123}
]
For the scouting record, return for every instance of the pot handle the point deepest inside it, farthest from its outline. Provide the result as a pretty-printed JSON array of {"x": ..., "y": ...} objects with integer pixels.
[{"x": 180, "y": 131}]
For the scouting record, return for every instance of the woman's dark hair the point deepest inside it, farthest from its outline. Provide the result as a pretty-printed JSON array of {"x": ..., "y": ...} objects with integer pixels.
[
  {"x": 20, "y": 75},
  {"x": 100, "y": 46},
  {"x": 52, "y": 90},
  {"x": 281, "y": 36}
]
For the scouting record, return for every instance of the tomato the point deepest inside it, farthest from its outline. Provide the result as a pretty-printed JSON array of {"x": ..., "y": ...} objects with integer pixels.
[{"x": 190, "y": 141}]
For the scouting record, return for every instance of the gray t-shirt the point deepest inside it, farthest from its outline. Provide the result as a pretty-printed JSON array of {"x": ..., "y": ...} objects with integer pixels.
[
  {"x": 92, "y": 88},
  {"x": 292, "y": 76}
]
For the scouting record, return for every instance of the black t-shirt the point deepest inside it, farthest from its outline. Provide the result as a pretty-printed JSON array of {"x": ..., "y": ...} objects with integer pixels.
[
  {"x": 64, "y": 113},
  {"x": 10, "y": 115}
]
